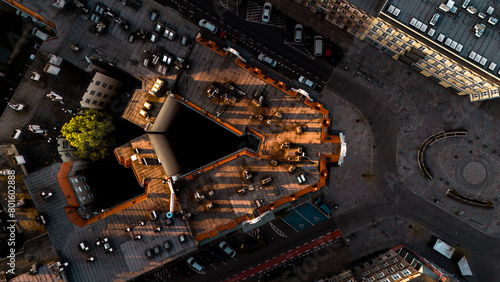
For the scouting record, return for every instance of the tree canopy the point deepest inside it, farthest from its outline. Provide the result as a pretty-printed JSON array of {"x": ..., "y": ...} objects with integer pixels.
[{"x": 89, "y": 134}]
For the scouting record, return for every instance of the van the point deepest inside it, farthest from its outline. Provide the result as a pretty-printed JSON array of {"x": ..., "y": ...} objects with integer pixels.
[
  {"x": 318, "y": 46},
  {"x": 16, "y": 134}
]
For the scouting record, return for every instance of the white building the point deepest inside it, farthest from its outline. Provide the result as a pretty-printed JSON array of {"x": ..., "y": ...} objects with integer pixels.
[{"x": 100, "y": 92}]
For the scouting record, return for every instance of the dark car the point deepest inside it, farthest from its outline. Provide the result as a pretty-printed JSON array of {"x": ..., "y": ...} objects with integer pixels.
[
  {"x": 219, "y": 255},
  {"x": 183, "y": 270}
]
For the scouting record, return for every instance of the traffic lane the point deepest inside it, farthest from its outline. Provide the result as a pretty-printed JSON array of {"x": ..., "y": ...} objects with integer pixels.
[
  {"x": 265, "y": 38},
  {"x": 273, "y": 248}
]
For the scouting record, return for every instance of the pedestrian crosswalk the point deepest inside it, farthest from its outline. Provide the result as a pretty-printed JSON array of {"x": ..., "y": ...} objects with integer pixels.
[{"x": 254, "y": 14}]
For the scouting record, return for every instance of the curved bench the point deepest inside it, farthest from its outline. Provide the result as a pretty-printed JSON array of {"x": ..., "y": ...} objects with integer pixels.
[
  {"x": 471, "y": 201},
  {"x": 429, "y": 141}
]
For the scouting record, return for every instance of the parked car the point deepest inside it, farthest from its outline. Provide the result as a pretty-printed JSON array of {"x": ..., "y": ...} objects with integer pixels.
[
  {"x": 266, "y": 12},
  {"x": 183, "y": 270},
  {"x": 195, "y": 265},
  {"x": 307, "y": 82},
  {"x": 263, "y": 58},
  {"x": 137, "y": 237},
  {"x": 208, "y": 26},
  {"x": 297, "y": 33},
  {"x": 227, "y": 249},
  {"x": 218, "y": 255},
  {"x": 154, "y": 37}
]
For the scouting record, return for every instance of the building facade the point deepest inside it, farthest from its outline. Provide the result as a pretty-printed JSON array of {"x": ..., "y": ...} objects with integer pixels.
[
  {"x": 437, "y": 59},
  {"x": 100, "y": 92},
  {"x": 66, "y": 151}
]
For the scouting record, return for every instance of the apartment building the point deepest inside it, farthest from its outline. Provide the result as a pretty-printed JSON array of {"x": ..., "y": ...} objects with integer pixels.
[
  {"x": 100, "y": 92},
  {"x": 453, "y": 44}
]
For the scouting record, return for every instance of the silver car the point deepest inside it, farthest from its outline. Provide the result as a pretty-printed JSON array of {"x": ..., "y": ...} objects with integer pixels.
[
  {"x": 297, "y": 33},
  {"x": 307, "y": 82},
  {"x": 227, "y": 249},
  {"x": 266, "y": 12},
  {"x": 263, "y": 58},
  {"x": 195, "y": 265}
]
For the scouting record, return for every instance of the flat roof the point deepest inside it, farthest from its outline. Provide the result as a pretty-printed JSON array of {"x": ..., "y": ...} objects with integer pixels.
[
  {"x": 129, "y": 255},
  {"x": 457, "y": 29}
]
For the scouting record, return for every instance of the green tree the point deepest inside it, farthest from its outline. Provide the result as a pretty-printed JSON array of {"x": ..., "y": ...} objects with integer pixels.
[{"x": 88, "y": 133}]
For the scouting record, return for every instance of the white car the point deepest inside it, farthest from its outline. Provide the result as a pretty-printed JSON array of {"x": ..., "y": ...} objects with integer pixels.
[
  {"x": 266, "y": 59},
  {"x": 208, "y": 26},
  {"x": 307, "y": 82},
  {"x": 195, "y": 265},
  {"x": 297, "y": 33},
  {"x": 266, "y": 12},
  {"x": 227, "y": 249}
]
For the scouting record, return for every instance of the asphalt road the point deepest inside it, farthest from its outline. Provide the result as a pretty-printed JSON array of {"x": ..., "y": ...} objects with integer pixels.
[
  {"x": 483, "y": 249},
  {"x": 256, "y": 38},
  {"x": 392, "y": 198}
]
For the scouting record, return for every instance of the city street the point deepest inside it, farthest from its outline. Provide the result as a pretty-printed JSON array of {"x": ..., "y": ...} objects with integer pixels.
[{"x": 386, "y": 110}]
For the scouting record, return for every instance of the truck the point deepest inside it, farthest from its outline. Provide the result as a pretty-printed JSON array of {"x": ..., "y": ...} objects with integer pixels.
[
  {"x": 40, "y": 34},
  {"x": 52, "y": 69},
  {"x": 54, "y": 60}
]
